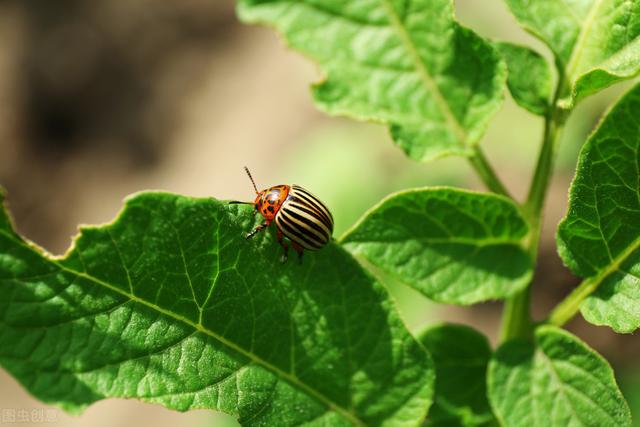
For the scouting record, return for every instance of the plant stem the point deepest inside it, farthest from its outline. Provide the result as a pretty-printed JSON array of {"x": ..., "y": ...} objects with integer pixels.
[
  {"x": 564, "y": 311},
  {"x": 486, "y": 173},
  {"x": 540, "y": 184},
  {"x": 570, "y": 305},
  {"x": 516, "y": 320},
  {"x": 516, "y": 317}
]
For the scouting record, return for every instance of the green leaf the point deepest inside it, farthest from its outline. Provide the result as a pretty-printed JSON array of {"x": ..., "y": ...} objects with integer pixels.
[
  {"x": 596, "y": 42},
  {"x": 530, "y": 79},
  {"x": 600, "y": 237},
  {"x": 461, "y": 355},
  {"x": 555, "y": 381},
  {"x": 171, "y": 305},
  {"x": 406, "y": 64},
  {"x": 454, "y": 246}
]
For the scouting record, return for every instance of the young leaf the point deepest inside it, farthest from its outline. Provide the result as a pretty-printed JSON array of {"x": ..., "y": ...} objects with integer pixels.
[
  {"x": 171, "y": 305},
  {"x": 600, "y": 237},
  {"x": 529, "y": 79},
  {"x": 461, "y": 355},
  {"x": 454, "y": 246},
  {"x": 406, "y": 64},
  {"x": 555, "y": 381},
  {"x": 596, "y": 42}
]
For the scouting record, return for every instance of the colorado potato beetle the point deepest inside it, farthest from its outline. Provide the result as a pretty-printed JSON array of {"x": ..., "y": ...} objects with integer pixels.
[{"x": 299, "y": 216}]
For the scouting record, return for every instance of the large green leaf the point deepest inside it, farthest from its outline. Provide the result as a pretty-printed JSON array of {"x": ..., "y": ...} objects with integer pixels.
[
  {"x": 406, "y": 64},
  {"x": 454, "y": 246},
  {"x": 461, "y": 355},
  {"x": 596, "y": 42},
  {"x": 170, "y": 304},
  {"x": 555, "y": 381},
  {"x": 529, "y": 78},
  {"x": 600, "y": 237}
]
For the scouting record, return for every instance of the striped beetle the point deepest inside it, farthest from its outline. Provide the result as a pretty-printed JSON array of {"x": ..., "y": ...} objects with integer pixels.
[{"x": 299, "y": 215}]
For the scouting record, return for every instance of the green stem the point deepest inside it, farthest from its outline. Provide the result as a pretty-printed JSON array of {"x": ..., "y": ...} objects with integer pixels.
[
  {"x": 516, "y": 317},
  {"x": 516, "y": 320},
  {"x": 486, "y": 173},
  {"x": 540, "y": 184},
  {"x": 568, "y": 308}
]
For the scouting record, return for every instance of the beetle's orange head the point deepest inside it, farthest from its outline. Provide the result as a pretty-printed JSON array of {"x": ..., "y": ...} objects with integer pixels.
[{"x": 269, "y": 201}]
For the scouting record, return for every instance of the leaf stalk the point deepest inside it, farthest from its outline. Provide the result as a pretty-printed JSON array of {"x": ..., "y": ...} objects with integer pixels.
[
  {"x": 569, "y": 306},
  {"x": 486, "y": 173}
]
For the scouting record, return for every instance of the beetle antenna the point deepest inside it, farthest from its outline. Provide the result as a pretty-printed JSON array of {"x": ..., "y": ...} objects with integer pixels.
[
  {"x": 246, "y": 169},
  {"x": 237, "y": 202}
]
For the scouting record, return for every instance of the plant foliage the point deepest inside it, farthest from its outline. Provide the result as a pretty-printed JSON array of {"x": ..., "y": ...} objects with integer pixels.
[
  {"x": 406, "y": 64},
  {"x": 474, "y": 244},
  {"x": 169, "y": 304}
]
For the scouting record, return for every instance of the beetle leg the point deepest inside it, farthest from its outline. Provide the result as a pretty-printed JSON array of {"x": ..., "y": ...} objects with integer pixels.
[
  {"x": 256, "y": 230},
  {"x": 299, "y": 249},
  {"x": 284, "y": 245}
]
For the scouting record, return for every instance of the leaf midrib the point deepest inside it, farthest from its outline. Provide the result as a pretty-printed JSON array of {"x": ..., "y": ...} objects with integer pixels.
[
  {"x": 200, "y": 328},
  {"x": 425, "y": 76},
  {"x": 613, "y": 266},
  {"x": 478, "y": 243},
  {"x": 578, "y": 48},
  {"x": 562, "y": 386}
]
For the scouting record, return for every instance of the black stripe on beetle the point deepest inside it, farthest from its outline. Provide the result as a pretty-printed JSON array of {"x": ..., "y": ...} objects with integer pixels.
[
  {"x": 297, "y": 234},
  {"x": 308, "y": 224},
  {"x": 315, "y": 201},
  {"x": 316, "y": 212},
  {"x": 326, "y": 228},
  {"x": 299, "y": 215}
]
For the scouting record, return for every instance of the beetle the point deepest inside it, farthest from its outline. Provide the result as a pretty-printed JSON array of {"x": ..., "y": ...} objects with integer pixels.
[{"x": 299, "y": 216}]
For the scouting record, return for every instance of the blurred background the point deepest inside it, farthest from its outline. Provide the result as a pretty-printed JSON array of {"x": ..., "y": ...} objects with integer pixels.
[{"x": 99, "y": 100}]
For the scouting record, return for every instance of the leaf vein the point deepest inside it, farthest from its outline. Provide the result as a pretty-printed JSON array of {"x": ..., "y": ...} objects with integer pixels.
[
  {"x": 286, "y": 376},
  {"x": 425, "y": 76}
]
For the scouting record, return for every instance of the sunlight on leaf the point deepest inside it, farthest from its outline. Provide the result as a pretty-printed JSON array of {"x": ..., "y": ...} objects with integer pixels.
[
  {"x": 557, "y": 381},
  {"x": 171, "y": 305},
  {"x": 600, "y": 237},
  {"x": 596, "y": 42},
  {"x": 454, "y": 246},
  {"x": 406, "y": 64}
]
